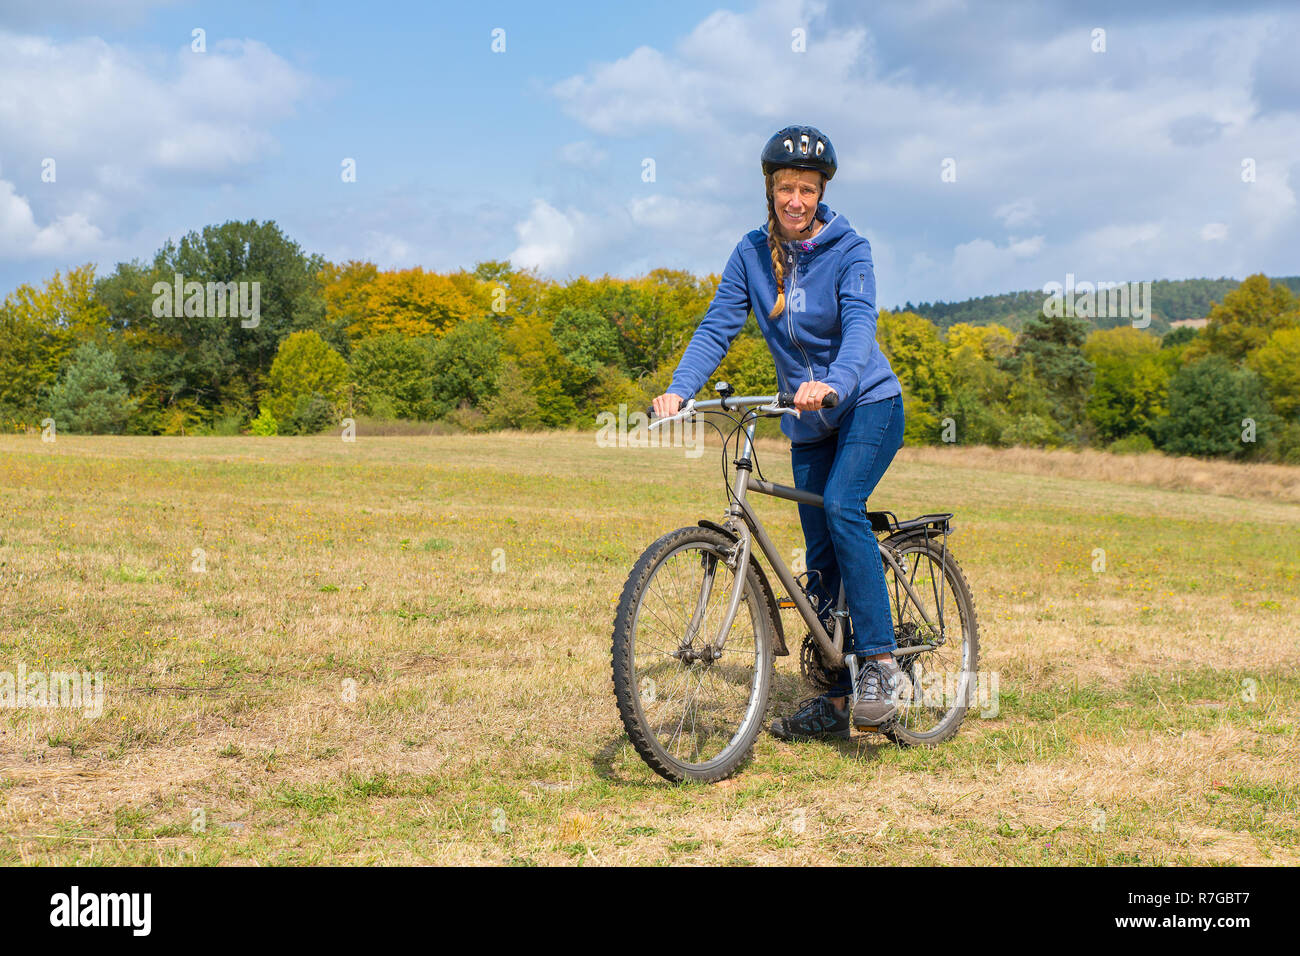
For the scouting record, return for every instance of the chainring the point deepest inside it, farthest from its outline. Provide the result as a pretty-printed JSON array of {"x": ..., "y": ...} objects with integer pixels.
[{"x": 814, "y": 669}]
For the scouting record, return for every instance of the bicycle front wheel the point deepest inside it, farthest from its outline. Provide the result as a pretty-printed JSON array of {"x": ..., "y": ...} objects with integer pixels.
[
  {"x": 691, "y": 712},
  {"x": 938, "y": 684}
]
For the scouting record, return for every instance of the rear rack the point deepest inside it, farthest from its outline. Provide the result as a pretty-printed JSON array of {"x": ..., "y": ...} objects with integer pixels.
[{"x": 888, "y": 521}]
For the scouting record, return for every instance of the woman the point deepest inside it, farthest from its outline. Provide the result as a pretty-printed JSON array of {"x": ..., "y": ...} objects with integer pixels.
[{"x": 810, "y": 275}]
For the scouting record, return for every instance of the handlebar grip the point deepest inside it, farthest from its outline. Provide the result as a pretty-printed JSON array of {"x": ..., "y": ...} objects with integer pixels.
[{"x": 786, "y": 399}]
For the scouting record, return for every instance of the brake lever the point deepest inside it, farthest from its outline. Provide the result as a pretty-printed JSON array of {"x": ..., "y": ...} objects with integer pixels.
[
  {"x": 685, "y": 410},
  {"x": 778, "y": 410}
]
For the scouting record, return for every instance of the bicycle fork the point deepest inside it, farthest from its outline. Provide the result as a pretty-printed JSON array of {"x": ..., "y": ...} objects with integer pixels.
[{"x": 738, "y": 560}]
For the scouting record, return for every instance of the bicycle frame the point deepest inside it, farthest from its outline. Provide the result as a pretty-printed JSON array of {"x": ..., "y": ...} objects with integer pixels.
[{"x": 743, "y": 524}]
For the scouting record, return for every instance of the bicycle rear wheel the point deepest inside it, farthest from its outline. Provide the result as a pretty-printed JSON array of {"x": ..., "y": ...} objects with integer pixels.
[
  {"x": 938, "y": 685},
  {"x": 691, "y": 714}
]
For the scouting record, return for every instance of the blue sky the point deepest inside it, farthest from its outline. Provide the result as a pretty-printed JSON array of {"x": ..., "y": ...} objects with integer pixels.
[{"x": 1116, "y": 165}]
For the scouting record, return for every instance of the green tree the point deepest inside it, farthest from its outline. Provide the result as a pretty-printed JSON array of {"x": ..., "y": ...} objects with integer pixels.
[
  {"x": 304, "y": 364},
  {"x": 1183, "y": 335},
  {"x": 1132, "y": 375},
  {"x": 512, "y": 293},
  {"x": 513, "y": 404},
  {"x": 463, "y": 366},
  {"x": 979, "y": 401},
  {"x": 1055, "y": 345},
  {"x": 586, "y": 338},
  {"x": 90, "y": 398},
  {"x": 1210, "y": 405},
  {"x": 392, "y": 373},
  {"x": 559, "y": 387},
  {"x": 920, "y": 359},
  {"x": 980, "y": 387},
  {"x": 917, "y": 354},
  {"x": 190, "y": 354},
  {"x": 312, "y": 413},
  {"x": 1031, "y": 410},
  {"x": 673, "y": 302}
]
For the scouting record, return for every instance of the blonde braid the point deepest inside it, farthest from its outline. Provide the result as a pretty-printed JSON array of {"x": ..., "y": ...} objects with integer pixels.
[{"x": 774, "y": 244}]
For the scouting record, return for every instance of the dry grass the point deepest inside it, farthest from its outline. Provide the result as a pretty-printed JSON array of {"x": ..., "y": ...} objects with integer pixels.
[
  {"x": 1147, "y": 713},
  {"x": 1255, "y": 480}
]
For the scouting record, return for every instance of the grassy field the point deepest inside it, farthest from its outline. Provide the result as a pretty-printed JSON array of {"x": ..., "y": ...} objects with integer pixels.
[{"x": 340, "y": 675}]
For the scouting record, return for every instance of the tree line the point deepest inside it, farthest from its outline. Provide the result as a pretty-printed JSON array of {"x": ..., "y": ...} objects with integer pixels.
[
  {"x": 1171, "y": 301},
  {"x": 499, "y": 347}
]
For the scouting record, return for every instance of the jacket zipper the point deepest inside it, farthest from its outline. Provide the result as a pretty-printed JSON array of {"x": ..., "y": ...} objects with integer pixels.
[{"x": 789, "y": 321}]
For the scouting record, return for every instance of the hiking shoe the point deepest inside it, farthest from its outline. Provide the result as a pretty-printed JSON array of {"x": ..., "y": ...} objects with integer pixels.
[
  {"x": 816, "y": 719},
  {"x": 878, "y": 683}
]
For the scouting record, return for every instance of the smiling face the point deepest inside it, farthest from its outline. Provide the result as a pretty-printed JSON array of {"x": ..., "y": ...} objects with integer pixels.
[{"x": 795, "y": 193}]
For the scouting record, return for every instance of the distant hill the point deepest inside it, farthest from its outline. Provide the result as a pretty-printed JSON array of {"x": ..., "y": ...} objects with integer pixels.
[{"x": 1171, "y": 300}]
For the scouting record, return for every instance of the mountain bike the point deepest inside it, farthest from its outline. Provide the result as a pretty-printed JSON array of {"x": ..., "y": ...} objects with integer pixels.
[{"x": 699, "y": 626}]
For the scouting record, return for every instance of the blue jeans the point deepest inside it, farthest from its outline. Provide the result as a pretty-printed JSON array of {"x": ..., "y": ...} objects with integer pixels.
[{"x": 844, "y": 469}]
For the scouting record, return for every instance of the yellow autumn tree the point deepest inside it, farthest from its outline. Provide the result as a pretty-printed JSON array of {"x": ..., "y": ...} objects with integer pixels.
[
  {"x": 1244, "y": 320},
  {"x": 979, "y": 341},
  {"x": 415, "y": 303},
  {"x": 364, "y": 301},
  {"x": 1277, "y": 362},
  {"x": 512, "y": 292},
  {"x": 346, "y": 289},
  {"x": 39, "y": 328}
]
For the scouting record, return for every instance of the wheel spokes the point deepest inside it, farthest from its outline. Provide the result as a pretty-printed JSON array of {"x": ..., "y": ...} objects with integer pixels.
[
  {"x": 934, "y": 681},
  {"x": 693, "y": 704}
]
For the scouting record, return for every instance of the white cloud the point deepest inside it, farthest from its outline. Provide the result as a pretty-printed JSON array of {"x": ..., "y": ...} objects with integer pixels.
[
  {"x": 1116, "y": 165},
  {"x": 658, "y": 211},
  {"x": 1214, "y": 231},
  {"x": 21, "y": 237},
  {"x": 549, "y": 239},
  {"x": 102, "y": 105},
  {"x": 672, "y": 215},
  {"x": 121, "y": 127},
  {"x": 1040, "y": 126},
  {"x": 729, "y": 69},
  {"x": 629, "y": 237}
]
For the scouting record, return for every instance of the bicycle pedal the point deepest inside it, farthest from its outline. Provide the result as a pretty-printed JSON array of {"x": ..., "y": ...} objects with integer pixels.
[{"x": 883, "y": 730}]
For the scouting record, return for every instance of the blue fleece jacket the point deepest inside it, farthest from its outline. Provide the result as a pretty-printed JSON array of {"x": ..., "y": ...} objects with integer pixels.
[{"x": 829, "y": 336}]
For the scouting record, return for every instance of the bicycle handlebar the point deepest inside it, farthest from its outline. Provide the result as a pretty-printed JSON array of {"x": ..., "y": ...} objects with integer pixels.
[{"x": 780, "y": 400}]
